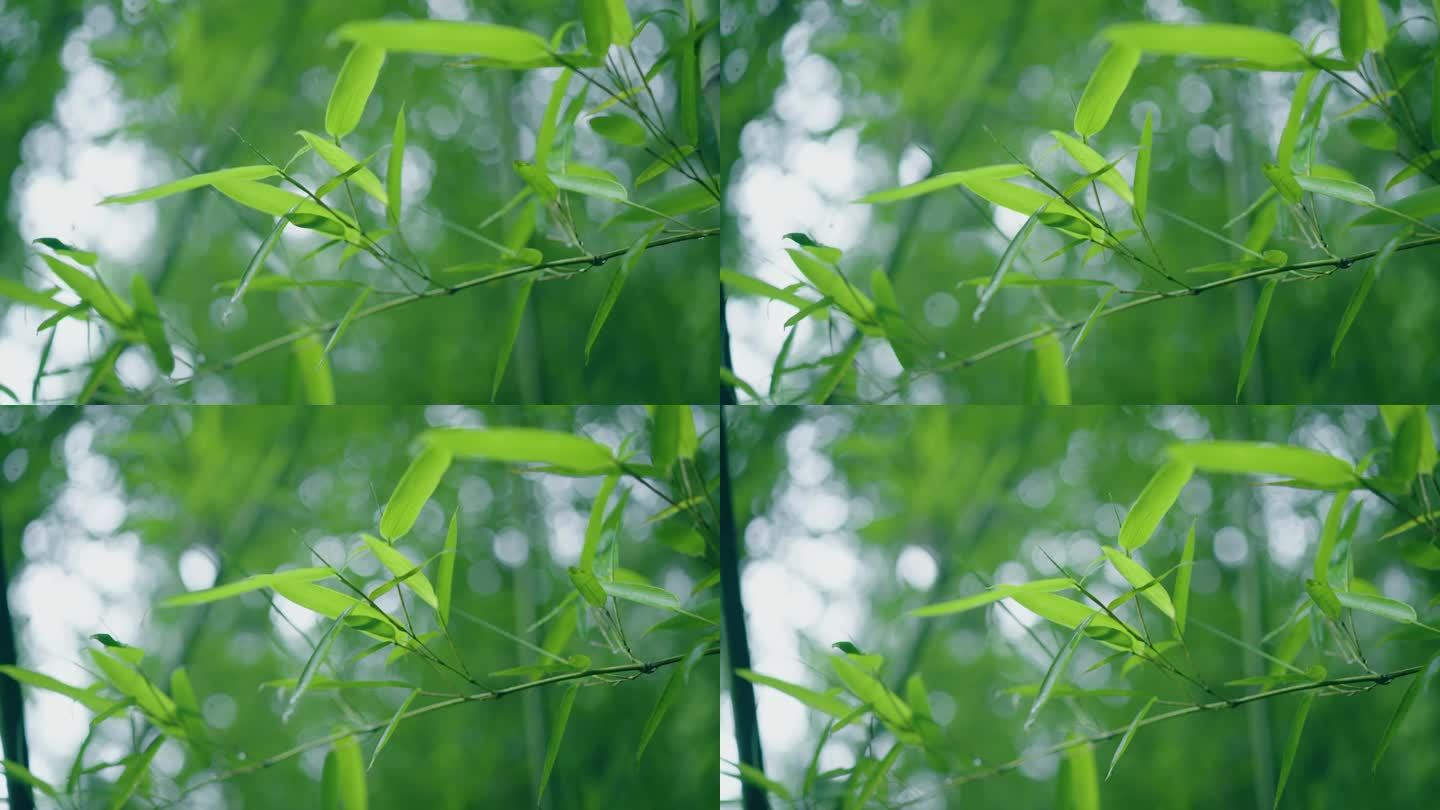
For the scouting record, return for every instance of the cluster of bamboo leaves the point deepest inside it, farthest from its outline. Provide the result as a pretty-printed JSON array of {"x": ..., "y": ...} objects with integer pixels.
[
  {"x": 1375, "y": 65},
  {"x": 1403, "y": 475},
  {"x": 678, "y": 138},
  {"x": 421, "y": 630}
]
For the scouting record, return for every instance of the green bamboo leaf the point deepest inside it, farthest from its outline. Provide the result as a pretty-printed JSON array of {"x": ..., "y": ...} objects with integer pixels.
[
  {"x": 395, "y": 172},
  {"x": 1257, "y": 325},
  {"x": 1051, "y": 375},
  {"x": 557, "y": 733},
  {"x": 604, "y": 188},
  {"x": 1297, "y": 728},
  {"x": 1417, "y": 685},
  {"x": 314, "y": 366},
  {"x": 840, "y": 365},
  {"x": 886, "y": 704},
  {"x": 1069, "y": 614},
  {"x": 42, "y": 299},
  {"x": 403, "y": 567},
  {"x": 1357, "y": 299},
  {"x": 192, "y": 182},
  {"x": 1182, "y": 580},
  {"x": 1079, "y": 779},
  {"x": 507, "y": 343},
  {"x": 1374, "y": 134},
  {"x": 85, "y": 697},
  {"x": 1153, "y": 502},
  {"x": 588, "y": 586},
  {"x": 622, "y": 29},
  {"x": 151, "y": 325},
  {"x": 672, "y": 435},
  {"x": 525, "y": 445},
  {"x": 1265, "y": 49},
  {"x": 619, "y": 129},
  {"x": 85, "y": 257},
  {"x": 943, "y": 181},
  {"x": 666, "y": 162},
  {"x": 92, "y": 292},
  {"x": 1261, "y": 458},
  {"x": 828, "y": 280},
  {"x": 347, "y": 319},
  {"x": 253, "y": 583},
  {"x": 754, "y": 286},
  {"x": 390, "y": 727},
  {"x": 352, "y": 90},
  {"x": 350, "y": 775},
  {"x": 1324, "y": 598},
  {"x": 667, "y": 698},
  {"x": 187, "y": 707},
  {"x": 1093, "y": 162},
  {"x": 898, "y": 332},
  {"x": 1424, "y": 519},
  {"x": 1285, "y": 154},
  {"x": 1022, "y": 199},
  {"x": 1353, "y": 19},
  {"x": 757, "y": 777},
  {"x": 414, "y": 489},
  {"x": 492, "y": 45},
  {"x": 14, "y": 770},
  {"x": 1343, "y": 190},
  {"x": 648, "y": 595},
  {"x": 312, "y": 665},
  {"x": 1007, "y": 261},
  {"x": 1137, "y": 576},
  {"x": 343, "y": 162},
  {"x": 1104, "y": 89},
  {"x": 1142, "y": 165},
  {"x": 595, "y": 16},
  {"x": 595, "y": 527},
  {"x": 689, "y": 76},
  {"x": 1390, "y": 609},
  {"x": 129, "y": 681},
  {"x": 824, "y": 702},
  {"x": 686, "y": 199},
  {"x": 994, "y": 594},
  {"x": 617, "y": 283},
  {"x": 1058, "y": 665},
  {"x": 277, "y": 202},
  {"x": 545, "y": 140},
  {"x": 876, "y": 778},
  {"x": 1129, "y": 735},
  {"x": 1409, "y": 445},
  {"x": 445, "y": 579},
  {"x": 135, "y": 770},
  {"x": 1329, "y": 534}
]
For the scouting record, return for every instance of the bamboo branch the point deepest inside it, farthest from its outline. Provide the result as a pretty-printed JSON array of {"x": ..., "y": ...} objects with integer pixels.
[
  {"x": 437, "y": 292},
  {"x": 1375, "y": 679},
  {"x": 1339, "y": 263},
  {"x": 642, "y": 668}
]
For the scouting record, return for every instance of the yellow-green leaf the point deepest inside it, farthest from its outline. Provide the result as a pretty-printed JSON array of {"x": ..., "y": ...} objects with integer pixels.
[
  {"x": 352, "y": 89},
  {"x": 402, "y": 567},
  {"x": 1091, "y": 162},
  {"x": 343, "y": 162},
  {"x": 414, "y": 489},
  {"x": 252, "y": 583},
  {"x": 1264, "y": 49},
  {"x": 188, "y": 183},
  {"x": 151, "y": 325},
  {"x": 1135, "y": 574},
  {"x": 1153, "y": 502},
  {"x": 525, "y": 445},
  {"x": 943, "y": 181},
  {"x": 1262, "y": 458},
  {"x": 1104, "y": 89},
  {"x": 495, "y": 45},
  {"x": 1050, "y": 371}
]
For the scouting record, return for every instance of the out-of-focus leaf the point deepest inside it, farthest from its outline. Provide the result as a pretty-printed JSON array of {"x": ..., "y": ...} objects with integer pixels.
[
  {"x": 151, "y": 326},
  {"x": 1142, "y": 165},
  {"x": 395, "y": 171},
  {"x": 390, "y": 727},
  {"x": 1079, "y": 782},
  {"x": 1051, "y": 375},
  {"x": 667, "y": 698},
  {"x": 617, "y": 283},
  {"x": 445, "y": 578},
  {"x": 1357, "y": 299},
  {"x": 621, "y": 129},
  {"x": 1417, "y": 685},
  {"x": 1129, "y": 735},
  {"x": 350, "y": 775},
  {"x": 135, "y": 771},
  {"x": 314, "y": 366},
  {"x": 85, "y": 697}
]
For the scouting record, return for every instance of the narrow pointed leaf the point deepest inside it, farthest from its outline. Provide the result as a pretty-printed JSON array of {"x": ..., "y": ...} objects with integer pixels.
[
  {"x": 512, "y": 333},
  {"x": 350, "y": 775},
  {"x": 557, "y": 733},
  {"x": 390, "y": 727},
  {"x": 1297, "y": 729},
  {"x": 943, "y": 181},
  {"x": 1142, "y": 165},
  {"x": 1137, "y": 576},
  {"x": 1266, "y": 49},
  {"x": 1357, "y": 299},
  {"x": 566, "y": 450},
  {"x": 402, "y": 566},
  {"x": 994, "y": 594},
  {"x": 151, "y": 325},
  {"x": 1260, "y": 458},
  {"x": 1381, "y": 606},
  {"x": 617, "y": 283},
  {"x": 414, "y": 489},
  {"x": 395, "y": 171},
  {"x": 134, "y": 773},
  {"x": 1093, "y": 162},
  {"x": 192, "y": 182},
  {"x": 1285, "y": 154},
  {"x": 820, "y": 701},
  {"x": 1051, "y": 374},
  {"x": 352, "y": 90},
  {"x": 1104, "y": 89},
  {"x": 1182, "y": 580},
  {"x": 1057, "y": 669},
  {"x": 445, "y": 578},
  {"x": 1417, "y": 685},
  {"x": 312, "y": 666},
  {"x": 342, "y": 161},
  {"x": 1257, "y": 325},
  {"x": 667, "y": 698},
  {"x": 1153, "y": 502},
  {"x": 497, "y": 45},
  {"x": 1129, "y": 735},
  {"x": 1353, "y": 19},
  {"x": 253, "y": 583}
]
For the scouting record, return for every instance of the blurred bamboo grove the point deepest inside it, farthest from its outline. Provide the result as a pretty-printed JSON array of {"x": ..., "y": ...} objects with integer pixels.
[
  {"x": 1085, "y": 607},
  {"x": 358, "y": 607},
  {"x": 386, "y": 201},
  {"x": 1098, "y": 201}
]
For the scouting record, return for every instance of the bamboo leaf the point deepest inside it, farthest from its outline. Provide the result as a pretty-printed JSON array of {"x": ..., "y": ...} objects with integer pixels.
[
  {"x": 1058, "y": 665},
  {"x": 595, "y": 16},
  {"x": 151, "y": 325},
  {"x": 1104, "y": 89},
  {"x": 91, "y": 291},
  {"x": 395, "y": 171},
  {"x": 595, "y": 527},
  {"x": 829, "y": 281},
  {"x": 492, "y": 45},
  {"x": 403, "y": 568},
  {"x": 1417, "y": 685},
  {"x": 1051, "y": 374},
  {"x": 1154, "y": 501},
  {"x": 414, "y": 489},
  {"x": 1352, "y": 29},
  {"x": 352, "y": 90},
  {"x": 1357, "y": 299},
  {"x": 1137, "y": 576},
  {"x": 1261, "y": 458},
  {"x": 1007, "y": 260},
  {"x": 1381, "y": 606},
  {"x": 315, "y": 380},
  {"x": 350, "y": 775},
  {"x": 619, "y": 129},
  {"x": 1129, "y": 735},
  {"x": 1297, "y": 728},
  {"x": 1329, "y": 534},
  {"x": 824, "y": 702},
  {"x": 886, "y": 704},
  {"x": 994, "y": 594},
  {"x": 14, "y": 770},
  {"x": 1343, "y": 190},
  {"x": 343, "y": 162},
  {"x": 512, "y": 333},
  {"x": 252, "y": 583},
  {"x": 757, "y": 777},
  {"x": 1182, "y": 580},
  {"x": 312, "y": 665},
  {"x": 617, "y": 283},
  {"x": 390, "y": 727},
  {"x": 188, "y": 183},
  {"x": 648, "y": 595},
  {"x": 667, "y": 698},
  {"x": 1079, "y": 779},
  {"x": 1257, "y": 325},
  {"x": 557, "y": 733},
  {"x": 521, "y": 445},
  {"x": 1265, "y": 49},
  {"x": 445, "y": 579},
  {"x": 85, "y": 697},
  {"x": 135, "y": 771},
  {"x": 1142, "y": 165},
  {"x": 944, "y": 181},
  {"x": 1093, "y": 162},
  {"x": 1285, "y": 154}
]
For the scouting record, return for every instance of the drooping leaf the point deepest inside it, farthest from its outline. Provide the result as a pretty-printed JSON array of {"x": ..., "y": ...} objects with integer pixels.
[
  {"x": 557, "y": 733},
  {"x": 343, "y": 162},
  {"x": 1329, "y": 534},
  {"x": 1129, "y": 735},
  {"x": 595, "y": 16},
  {"x": 85, "y": 697},
  {"x": 350, "y": 775},
  {"x": 390, "y": 727},
  {"x": 525, "y": 445},
  {"x": 596, "y": 525},
  {"x": 135, "y": 771},
  {"x": 590, "y": 185},
  {"x": 401, "y": 566},
  {"x": 445, "y": 578},
  {"x": 312, "y": 665},
  {"x": 512, "y": 333},
  {"x": 92, "y": 292},
  {"x": 151, "y": 325},
  {"x": 414, "y": 489},
  {"x": 1182, "y": 580},
  {"x": 192, "y": 182},
  {"x": 943, "y": 181},
  {"x": 820, "y": 701},
  {"x": 1353, "y": 20},
  {"x": 1257, "y": 325},
  {"x": 1292, "y": 745},
  {"x": 672, "y": 435},
  {"x": 1137, "y": 576},
  {"x": 1056, "y": 672},
  {"x": 1266, "y": 49},
  {"x": 1261, "y": 458},
  {"x": 1153, "y": 502},
  {"x": 1104, "y": 89},
  {"x": 1417, "y": 685},
  {"x": 667, "y": 161},
  {"x": 352, "y": 90},
  {"x": 1142, "y": 165},
  {"x": 754, "y": 776},
  {"x": 667, "y": 698},
  {"x": 617, "y": 283},
  {"x": 395, "y": 170},
  {"x": 14, "y": 770},
  {"x": 1357, "y": 299},
  {"x": 494, "y": 45}
]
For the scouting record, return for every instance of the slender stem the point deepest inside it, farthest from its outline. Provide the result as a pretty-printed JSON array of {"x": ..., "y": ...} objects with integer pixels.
[
  {"x": 1377, "y": 679},
  {"x": 1340, "y": 263},
  {"x": 641, "y": 668},
  {"x": 437, "y": 292}
]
